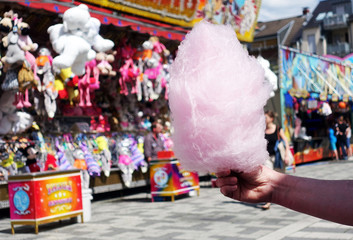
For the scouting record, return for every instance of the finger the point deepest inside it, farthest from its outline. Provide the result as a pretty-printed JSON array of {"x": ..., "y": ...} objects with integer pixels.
[
  {"x": 223, "y": 173},
  {"x": 229, "y": 191},
  {"x": 226, "y": 181}
]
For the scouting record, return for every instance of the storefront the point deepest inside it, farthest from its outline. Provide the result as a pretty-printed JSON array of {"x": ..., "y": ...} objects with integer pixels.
[
  {"x": 315, "y": 91},
  {"x": 50, "y": 124}
]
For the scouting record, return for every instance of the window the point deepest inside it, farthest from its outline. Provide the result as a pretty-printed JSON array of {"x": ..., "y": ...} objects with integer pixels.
[
  {"x": 340, "y": 10},
  {"x": 312, "y": 43}
]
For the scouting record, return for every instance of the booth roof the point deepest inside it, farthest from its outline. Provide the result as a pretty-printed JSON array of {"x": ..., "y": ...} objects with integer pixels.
[{"x": 106, "y": 17}]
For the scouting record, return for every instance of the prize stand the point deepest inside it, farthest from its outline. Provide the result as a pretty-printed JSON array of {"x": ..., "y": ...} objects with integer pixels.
[
  {"x": 37, "y": 198},
  {"x": 169, "y": 179}
]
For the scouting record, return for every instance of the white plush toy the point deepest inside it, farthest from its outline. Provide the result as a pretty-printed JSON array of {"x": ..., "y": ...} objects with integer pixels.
[
  {"x": 74, "y": 38},
  {"x": 270, "y": 76},
  {"x": 12, "y": 121}
]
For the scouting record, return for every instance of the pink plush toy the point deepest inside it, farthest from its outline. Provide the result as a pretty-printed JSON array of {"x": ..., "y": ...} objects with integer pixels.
[
  {"x": 103, "y": 63},
  {"x": 128, "y": 74},
  {"x": 86, "y": 82},
  {"x": 217, "y": 94}
]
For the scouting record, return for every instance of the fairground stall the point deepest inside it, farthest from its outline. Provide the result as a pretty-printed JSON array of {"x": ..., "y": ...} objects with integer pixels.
[
  {"x": 315, "y": 91},
  {"x": 62, "y": 110},
  {"x": 55, "y": 118}
]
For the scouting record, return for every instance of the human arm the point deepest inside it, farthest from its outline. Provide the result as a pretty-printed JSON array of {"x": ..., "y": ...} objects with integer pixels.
[
  {"x": 326, "y": 199},
  {"x": 147, "y": 148},
  {"x": 286, "y": 144}
]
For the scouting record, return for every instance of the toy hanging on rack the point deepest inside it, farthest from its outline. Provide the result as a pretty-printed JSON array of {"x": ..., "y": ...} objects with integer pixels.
[
  {"x": 80, "y": 163},
  {"x": 86, "y": 82},
  {"x": 46, "y": 94},
  {"x": 128, "y": 76},
  {"x": 93, "y": 168},
  {"x": 104, "y": 154},
  {"x": 125, "y": 163},
  {"x": 64, "y": 163},
  {"x": 153, "y": 73},
  {"x": 13, "y": 60},
  {"x": 104, "y": 61},
  {"x": 25, "y": 41},
  {"x": 74, "y": 39}
]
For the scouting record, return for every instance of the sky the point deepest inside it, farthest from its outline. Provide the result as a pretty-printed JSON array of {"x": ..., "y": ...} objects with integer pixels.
[{"x": 278, "y": 9}]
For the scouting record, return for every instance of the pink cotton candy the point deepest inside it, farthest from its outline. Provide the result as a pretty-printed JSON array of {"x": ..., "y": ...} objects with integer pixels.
[{"x": 217, "y": 94}]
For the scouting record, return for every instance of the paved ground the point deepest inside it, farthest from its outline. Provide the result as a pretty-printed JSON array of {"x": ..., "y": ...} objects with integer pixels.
[{"x": 209, "y": 216}]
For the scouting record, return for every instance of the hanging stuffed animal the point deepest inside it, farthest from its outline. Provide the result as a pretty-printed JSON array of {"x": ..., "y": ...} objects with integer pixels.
[
  {"x": 25, "y": 40},
  {"x": 74, "y": 39},
  {"x": 93, "y": 167},
  {"x": 153, "y": 73},
  {"x": 105, "y": 154},
  {"x": 45, "y": 100},
  {"x": 84, "y": 83},
  {"x": 64, "y": 163},
  {"x": 128, "y": 76},
  {"x": 13, "y": 61},
  {"x": 12, "y": 121},
  {"x": 104, "y": 61},
  {"x": 6, "y": 26},
  {"x": 80, "y": 163},
  {"x": 125, "y": 164},
  {"x": 137, "y": 157}
]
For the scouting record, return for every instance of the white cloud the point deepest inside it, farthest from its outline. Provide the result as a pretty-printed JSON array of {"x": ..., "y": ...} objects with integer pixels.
[{"x": 278, "y": 9}]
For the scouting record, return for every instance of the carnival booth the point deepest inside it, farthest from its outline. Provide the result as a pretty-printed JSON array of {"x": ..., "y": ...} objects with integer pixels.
[
  {"x": 168, "y": 179},
  {"x": 37, "y": 198},
  {"x": 78, "y": 100},
  {"x": 315, "y": 91}
]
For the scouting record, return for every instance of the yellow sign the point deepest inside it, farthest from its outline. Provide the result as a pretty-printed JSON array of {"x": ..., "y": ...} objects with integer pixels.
[
  {"x": 240, "y": 14},
  {"x": 179, "y": 12}
]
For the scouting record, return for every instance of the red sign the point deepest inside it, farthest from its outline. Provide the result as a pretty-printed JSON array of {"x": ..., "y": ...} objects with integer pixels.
[{"x": 45, "y": 197}]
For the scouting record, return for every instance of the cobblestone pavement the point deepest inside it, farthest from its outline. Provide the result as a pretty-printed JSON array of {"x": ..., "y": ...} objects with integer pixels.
[{"x": 208, "y": 216}]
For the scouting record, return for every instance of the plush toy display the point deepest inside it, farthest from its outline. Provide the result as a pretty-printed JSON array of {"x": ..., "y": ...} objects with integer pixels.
[
  {"x": 74, "y": 38},
  {"x": 209, "y": 53},
  {"x": 80, "y": 79}
]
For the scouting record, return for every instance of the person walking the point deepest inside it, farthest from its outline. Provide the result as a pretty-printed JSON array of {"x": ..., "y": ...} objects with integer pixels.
[
  {"x": 341, "y": 128},
  {"x": 273, "y": 134},
  {"x": 333, "y": 141},
  {"x": 348, "y": 138}
]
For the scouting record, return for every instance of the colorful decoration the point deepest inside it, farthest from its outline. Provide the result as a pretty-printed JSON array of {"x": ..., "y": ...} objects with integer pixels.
[{"x": 240, "y": 14}]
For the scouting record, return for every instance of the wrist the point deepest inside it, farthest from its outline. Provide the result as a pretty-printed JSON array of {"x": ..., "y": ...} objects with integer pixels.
[{"x": 279, "y": 187}]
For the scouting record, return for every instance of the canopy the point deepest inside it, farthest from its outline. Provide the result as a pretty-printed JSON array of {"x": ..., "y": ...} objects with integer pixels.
[{"x": 107, "y": 17}]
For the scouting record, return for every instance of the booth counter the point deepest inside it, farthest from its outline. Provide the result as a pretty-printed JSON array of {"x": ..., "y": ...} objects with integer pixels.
[
  {"x": 169, "y": 179},
  {"x": 37, "y": 198},
  {"x": 114, "y": 182}
]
